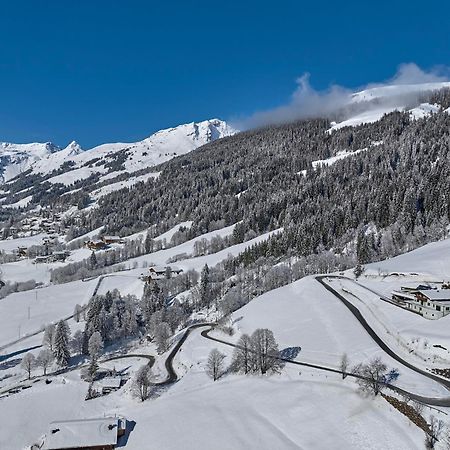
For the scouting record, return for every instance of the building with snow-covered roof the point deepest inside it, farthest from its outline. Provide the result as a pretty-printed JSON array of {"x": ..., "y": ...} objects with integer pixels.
[
  {"x": 112, "y": 240},
  {"x": 96, "y": 244},
  {"x": 161, "y": 272},
  {"x": 430, "y": 303},
  {"x": 93, "y": 434},
  {"x": 110, "y": 384}
]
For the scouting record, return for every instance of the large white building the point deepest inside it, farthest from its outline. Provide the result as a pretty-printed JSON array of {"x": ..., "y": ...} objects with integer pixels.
[{"x": 430, "y": 303}]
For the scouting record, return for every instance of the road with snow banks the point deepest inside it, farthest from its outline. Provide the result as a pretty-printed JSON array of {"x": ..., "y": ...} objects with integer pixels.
[{"x": 357, "y": 314}]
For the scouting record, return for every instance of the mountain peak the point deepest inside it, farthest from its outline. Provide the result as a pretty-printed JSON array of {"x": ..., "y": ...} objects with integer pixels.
[{"x": 73, "y": 149}]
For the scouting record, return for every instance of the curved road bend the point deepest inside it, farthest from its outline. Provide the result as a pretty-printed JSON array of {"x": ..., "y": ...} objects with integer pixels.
[
  {"x": 356, "y": 312},
  {"x": 171, "y": 374}
]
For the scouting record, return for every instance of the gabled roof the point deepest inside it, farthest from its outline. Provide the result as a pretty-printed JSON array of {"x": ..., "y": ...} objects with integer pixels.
[
  {"x": 68, "y": 434},
  {"x": 110, "y": 382},
  {"x": 403, "y": 294},
  {"x": 436, "y": 294}
]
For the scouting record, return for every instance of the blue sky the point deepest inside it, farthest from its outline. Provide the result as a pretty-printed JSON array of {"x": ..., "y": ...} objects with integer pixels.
[{"x": 103, "y": 71}]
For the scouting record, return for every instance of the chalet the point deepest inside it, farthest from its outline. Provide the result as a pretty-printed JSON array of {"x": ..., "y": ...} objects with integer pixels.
[
  {"x": 96, "y": 245},
  {"x": 41, "y": 259},
  {"x": 60, "y": 256},
  {"x": 50, "y": 240},
  {"x": 110, "y": 384},
  {"x": 161, "y": 272},
  {"x": 112, "y": 240},
  {"x": 53, "y": 257},
  {"x": 85, "y": 434},
  {"x": 430, "y": 303}
]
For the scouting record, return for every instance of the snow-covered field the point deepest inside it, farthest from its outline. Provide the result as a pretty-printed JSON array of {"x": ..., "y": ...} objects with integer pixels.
[
  {"x": 299, "y": 408},
  {"x": 9, "y": 245},
  {"x": 26, "y": 312},
  {"x": 288, "y": 411}
]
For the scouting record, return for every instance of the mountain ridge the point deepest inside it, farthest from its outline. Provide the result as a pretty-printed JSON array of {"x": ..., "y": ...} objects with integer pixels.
[{"x": 43, "y": 158}]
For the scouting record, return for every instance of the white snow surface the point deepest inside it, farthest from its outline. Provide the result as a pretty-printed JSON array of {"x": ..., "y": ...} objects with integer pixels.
[
  {"x": 27, "y": 312},
  {"x": 389, "y": 98},
  {"x": 424, "y": 110},
  {"x": 395, "y": 90},
  {"x": 300, "y": 408},
  {"x": 330, "y": 161}
]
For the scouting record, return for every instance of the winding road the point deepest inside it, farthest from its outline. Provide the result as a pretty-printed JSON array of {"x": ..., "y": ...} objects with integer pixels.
[
  {"x": 172, "y": 375},
  {"x": 443, "y": 402},
  {"x": 357, "y": 314}
]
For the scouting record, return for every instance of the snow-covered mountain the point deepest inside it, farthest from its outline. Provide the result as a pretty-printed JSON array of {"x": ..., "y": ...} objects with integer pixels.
[
  {"x": 16, "y": 158},
  {"x": 397, "y": 90},
  {"x": 126, "y": 157},
  {"x": 371, "y": 104}
]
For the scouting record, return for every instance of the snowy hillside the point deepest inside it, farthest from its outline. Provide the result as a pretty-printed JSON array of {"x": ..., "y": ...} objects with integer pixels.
[
  {"x": 371, "y": 104},
  {"x": 293, "y": 409},
  {"x": 16, "y": 158},
  {"x": 159, "y": 147},
  {"x": 397, "y": 90}
]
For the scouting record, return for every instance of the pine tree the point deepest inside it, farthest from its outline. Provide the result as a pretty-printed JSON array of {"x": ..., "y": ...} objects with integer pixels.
[
  {"x": 152, "y": 300},
  {"x": 91, "y": 370},
  {"x": 92, "y": 261},
  {"x": 61, "y": 344},
  {"x": 205, "y": 296}
]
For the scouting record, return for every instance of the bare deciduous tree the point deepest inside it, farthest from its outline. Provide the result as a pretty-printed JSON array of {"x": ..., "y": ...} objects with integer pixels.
[
  {"x": 266, "y": 351},
  {"x": 27, "y": 364},
  {"x": 372, "y": 376},
  {"x": 142, "y": 382},
  {"x": 77, "y": 312},
  {"x": 44, "y": 359},
  {"x": 215, "y": 364},
  {"x": 243, "y": 357},
  {"x": 437, "y": 428},
  {"x": 49, "y": 336},
  {"x": 77, "y": 342}
]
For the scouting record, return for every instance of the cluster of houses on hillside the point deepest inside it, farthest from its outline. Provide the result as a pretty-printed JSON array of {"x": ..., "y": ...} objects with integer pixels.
[
  {"x": 30, "y": 226},
  {"x": 103, "y": 242},
  {"x": 428, "y": 301},
  {"x": 51, "y": 255}
]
